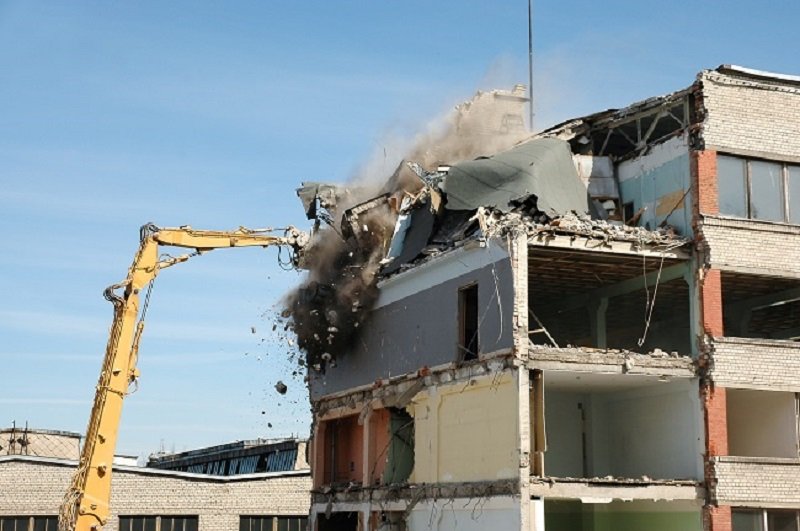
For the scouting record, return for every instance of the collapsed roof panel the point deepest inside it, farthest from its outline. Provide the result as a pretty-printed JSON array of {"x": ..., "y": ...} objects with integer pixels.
[{"x": 542, "y": 168}]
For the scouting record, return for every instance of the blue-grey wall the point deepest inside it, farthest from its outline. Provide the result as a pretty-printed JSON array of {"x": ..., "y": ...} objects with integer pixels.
[{"x": 422, "y": 330}]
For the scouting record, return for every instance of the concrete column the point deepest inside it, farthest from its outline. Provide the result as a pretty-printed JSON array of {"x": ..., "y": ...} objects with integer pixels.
[
  {"x": 524, "y": 431},
  {"x": 518, "y": 252},
  {"x": 597, "y": 321}
]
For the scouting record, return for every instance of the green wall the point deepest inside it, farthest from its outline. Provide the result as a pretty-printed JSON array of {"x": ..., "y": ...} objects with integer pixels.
[{"x": 622, "y": 516}]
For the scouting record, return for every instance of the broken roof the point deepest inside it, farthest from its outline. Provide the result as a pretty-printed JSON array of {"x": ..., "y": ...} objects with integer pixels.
[{"x": 542, "y": 168}]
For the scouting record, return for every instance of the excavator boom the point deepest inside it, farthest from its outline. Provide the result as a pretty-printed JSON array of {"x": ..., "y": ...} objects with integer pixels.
[{"x": 86, "y": 503}]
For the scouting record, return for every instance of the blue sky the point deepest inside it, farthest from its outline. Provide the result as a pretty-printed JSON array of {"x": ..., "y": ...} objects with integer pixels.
[{"x": 113, "y": 114}]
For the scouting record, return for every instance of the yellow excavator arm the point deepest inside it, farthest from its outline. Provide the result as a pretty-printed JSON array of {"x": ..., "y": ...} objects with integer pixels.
[{"x": 86, "y": 503}]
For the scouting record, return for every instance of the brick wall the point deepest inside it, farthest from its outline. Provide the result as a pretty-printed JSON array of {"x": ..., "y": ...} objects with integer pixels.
[
  {"x": 715, "y": 405},
  {"x": 751, "y": 115},
  {"x": 749, "y": 246},
  {"x": 711, "y": 294},
  {"x": 36, "y": 488},
  {"x": 765, "y": 364},
  {"x": 704, "y": 173},
  {"x": 717, "y": 518},
  {"x": 757, "y": 482}
]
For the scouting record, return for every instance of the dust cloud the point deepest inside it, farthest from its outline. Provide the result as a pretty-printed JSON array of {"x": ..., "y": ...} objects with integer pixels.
[{"x": 329, "y": 308}]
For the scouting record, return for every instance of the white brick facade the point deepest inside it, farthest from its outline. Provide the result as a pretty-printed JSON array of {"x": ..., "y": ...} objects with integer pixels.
[
  {"x": 748, "y": 115},
  {"x": 757, "y": 482},
  {"x": 35, "y": 486},
  {"x": 765, "y": 364},
  {"x": 750, "y": 246}
]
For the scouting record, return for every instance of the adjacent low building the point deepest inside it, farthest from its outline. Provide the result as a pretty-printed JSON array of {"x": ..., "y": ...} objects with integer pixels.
[{"x": 255, "y": 485}]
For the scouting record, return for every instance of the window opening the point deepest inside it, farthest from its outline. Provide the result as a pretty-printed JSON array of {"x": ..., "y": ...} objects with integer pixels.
[
  {"x": 28, "y": 523},
  {"x": 158, "y": 523},
  {"x": 758, "y": 189},
  {"x": 468, "y": 322}
]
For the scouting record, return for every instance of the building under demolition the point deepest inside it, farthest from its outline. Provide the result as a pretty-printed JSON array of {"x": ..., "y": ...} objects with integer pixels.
[{"x": 594, "y": 330}]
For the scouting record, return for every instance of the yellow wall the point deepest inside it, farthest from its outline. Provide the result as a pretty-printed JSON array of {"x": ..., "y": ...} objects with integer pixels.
[{"x": 466, "y": 431}]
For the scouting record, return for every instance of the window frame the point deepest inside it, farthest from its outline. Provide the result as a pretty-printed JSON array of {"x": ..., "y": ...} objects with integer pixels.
[
  {"x": 748, "y": 187},
  {"x": 32, "y": 521},
  {"x": 158, "y": 518},
  {"x": 292, "y": 519},
  {"x": 464, "y": 313},
  {"x": 765, "y": 513}
]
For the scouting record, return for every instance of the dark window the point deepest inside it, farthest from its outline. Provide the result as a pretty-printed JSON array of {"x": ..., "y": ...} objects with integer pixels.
[
  {"x": 747, "y": 520},
  {"x": 337, "y": 522},
  {"x": 758, "y": 189},
  {"x": 14, "y": 523},
  {"x": 158, "y": 523},
  {"x": 793, "y": 194},
  {"x": 782, "y": 521},
  {"x": 28, "y": 523},
  {"x": 766, "y": 190},
  {"x": 271, "y": 523},
  {"x": 468, "y": 322},
  {"x": 754, "y": 520},
  {"x": 45, "y": 523},
  {"x": 627, "y": 212},
  {"x": 291, "y": 523},
  {"x": 732, "y": 178}
]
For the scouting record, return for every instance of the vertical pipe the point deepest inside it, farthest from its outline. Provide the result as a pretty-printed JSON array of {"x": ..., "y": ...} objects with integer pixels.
[{"x": 530, "y": 64}]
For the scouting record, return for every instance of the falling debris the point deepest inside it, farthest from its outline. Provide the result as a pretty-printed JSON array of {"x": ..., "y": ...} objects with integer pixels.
[
  {"x": 357, "y": 237},
  {"x": 281, "y": 387}
]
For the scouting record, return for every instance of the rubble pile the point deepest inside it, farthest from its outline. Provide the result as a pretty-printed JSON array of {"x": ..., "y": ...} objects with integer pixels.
[{"x": 495, "y": 222}]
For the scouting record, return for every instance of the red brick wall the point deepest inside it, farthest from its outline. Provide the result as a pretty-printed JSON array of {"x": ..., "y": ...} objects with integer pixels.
[
  {"x": 717, "y": 518},
  {"x": 704, "y": 175},
  {"x": 715, "y": 403},
  {"x": 711, "y": 293}
]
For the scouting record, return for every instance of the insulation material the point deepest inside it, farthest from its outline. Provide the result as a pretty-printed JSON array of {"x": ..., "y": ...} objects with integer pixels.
[
  {"x": 466, "y": 431},
  {"x": 413, "y": 229},
  {"x": 400, "y": 461},
  {"x": 542, "y": 168}
]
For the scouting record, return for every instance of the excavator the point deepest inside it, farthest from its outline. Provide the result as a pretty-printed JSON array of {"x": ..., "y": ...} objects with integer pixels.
[{"x": 86, "y": 504}]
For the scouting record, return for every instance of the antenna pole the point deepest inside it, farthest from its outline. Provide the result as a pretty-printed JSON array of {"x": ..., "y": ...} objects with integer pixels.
[{"x": 530, "y": 64}]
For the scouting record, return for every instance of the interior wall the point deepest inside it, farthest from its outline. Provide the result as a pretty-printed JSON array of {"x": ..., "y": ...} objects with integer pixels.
[
  {"x": 344, "y": 443},
  {"x": 497, "y": 513},
  {"x": 466, "y": 431},
  {"x": 658, "y": 181},
  {"x": 761, "y": 423},
  {"x": 563, "y": 429},
  {"x": 653, "y": 430},
  {"x": 639, "y": 515},
  {"x": 421, "y": 327}
]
